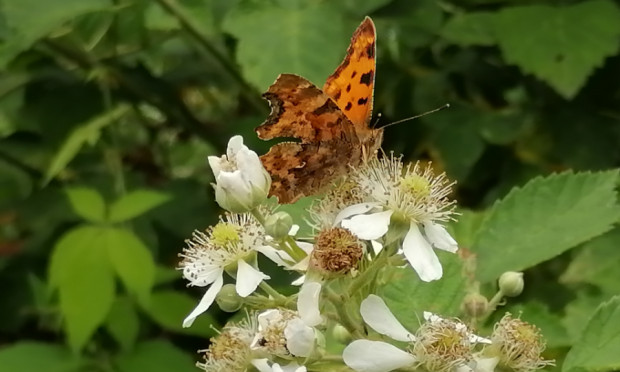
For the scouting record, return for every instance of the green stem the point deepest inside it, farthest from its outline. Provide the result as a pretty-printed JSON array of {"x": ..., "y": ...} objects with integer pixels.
[
  {"x": 277, "y": 296},
  {"x": 345, "y": 318},
  {"x": 172, "y": 8}
]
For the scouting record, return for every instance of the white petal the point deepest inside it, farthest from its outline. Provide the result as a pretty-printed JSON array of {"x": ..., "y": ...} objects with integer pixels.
[
  {"x": 202, "y": 275},
  {"x": 299, "y": 338},
  {"x": 215, "y": 163},
  {"x": 379, "y": 317},
  {"x": 268, "y": 317},
  {"x": 205, "y": 302},
  {"x": 430, "y": 317},
  {"x": 299, "y": 281},
  {"x": 294, "y": 230},
  {"x": 376, "y": 246},
  {"x": 352, "y": 210},
  {"x": 294, "y": 367},
  {"x": 235, "y": 144},
  {"x": 369, "y": 226},
  {"x": 475, "y": 339},
  {"x": 248, "y": 278},
  {"x": 278, "y": 256},
  {"x": 233, "y": 183},
  {"x": 261, "y": 364},
  {"x": 421, "y": 256},
  {"x": 301, "y": 265},
  {"x": 375, "y": 356},
  {"x": 486, "y": 364},
  {"x": 305, "y": 246},
  {"x": 439, "y": 237},
  {"x": 308, "y": 303}
]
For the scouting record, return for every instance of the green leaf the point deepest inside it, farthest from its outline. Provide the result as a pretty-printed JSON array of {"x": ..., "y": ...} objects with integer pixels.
[
  {"x": 37, "y": 357},
  {"x": 81, "y": 135},
  {"x": 132, "y": 261},
  {"x": 470, "y": 29},
  {"x": 464, "y": 230},
  {"x": 597, "y": 348},
  {"x": 274, "y": 40},
  {"x": 81, "y": 273},
  {"x": 408, "y": 297},
  {"x": 156, "y": 356},
  {"x": 169, "y": 308},
  {"x": 87, "y": 203},
  {"x": 455, "y": 135},
  {"x": 543, "y": 219},
  {"x": 123, "y": 323},
  {"x": 560, "y": 51},
  {"x": 578, "y": 312},
  {"x": 27, "y": 25},
  {"x": 597, "y": 263},
  {"x": 135, "y": 204}
]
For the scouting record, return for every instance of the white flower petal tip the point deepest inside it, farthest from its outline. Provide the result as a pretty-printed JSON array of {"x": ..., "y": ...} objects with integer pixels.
[
  {"x": 379, "y": 317},
  {"x": 369, "y": 226},
  {"x": 353, "y": 210},
  {"x": 248, "y": 278},
  {"x": 205, "y": 302},
  {"x": 375, "y": 356},
  {"x": 439, "y": 237},
  {"x": 421, "y": 256},
  {"x": 308, "y": 303}
]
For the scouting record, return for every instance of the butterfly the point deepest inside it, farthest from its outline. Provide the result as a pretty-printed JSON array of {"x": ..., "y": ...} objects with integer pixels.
[{"x": 331, "y": 125}]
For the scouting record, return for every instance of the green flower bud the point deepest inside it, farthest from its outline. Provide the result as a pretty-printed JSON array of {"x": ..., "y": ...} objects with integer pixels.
[
  {"x": 511, "y": 283},
  {"x": 475, "y": 305},
  {"x": 228, "y": 300},
  {"x": 278, "y": 225},
  {"x": 341, "y": 334}
]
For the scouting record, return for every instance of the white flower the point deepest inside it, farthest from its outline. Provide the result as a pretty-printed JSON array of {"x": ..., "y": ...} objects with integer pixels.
[
  {"x": 282, "y": 332},
  {"x": 263, "y": 366},
  {"x": 227, "y": 246},
  {"x": 411, "y": 195},
  {"x": 230, "y": 349},
  {"x": 378, "y": 356},
  {"x": 242, "y": 183}
]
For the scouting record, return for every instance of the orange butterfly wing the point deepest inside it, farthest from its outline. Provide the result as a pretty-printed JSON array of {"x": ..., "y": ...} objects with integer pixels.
[
  {"x": 352, "y": 85},
  {"x": 331, "y": 124}
]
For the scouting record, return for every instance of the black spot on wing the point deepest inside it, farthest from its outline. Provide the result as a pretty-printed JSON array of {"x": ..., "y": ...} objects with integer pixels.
[
  {"x": 370, "y": 50},
  {"x": 366, "y": 78},
  {"x": 348, "y": 88},
  {"x": 362, "y": 101},
  {"x": 348, "y": 106},
  {"x": 326, "y": 107}
]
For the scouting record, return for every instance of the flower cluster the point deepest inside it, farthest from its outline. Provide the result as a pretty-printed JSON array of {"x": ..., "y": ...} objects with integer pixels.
[{"x": 382, "y": 220}]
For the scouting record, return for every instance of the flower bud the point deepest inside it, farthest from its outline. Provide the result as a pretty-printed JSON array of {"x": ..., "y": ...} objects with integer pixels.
[
  {"x": 278, "y": 225},
  {"x": 511, "y": 283},
  {"x": 242, "y": 183},
  {"x": 341, "y": 334},
  {"x": 475, "y": 305},
  {"x": 228, "y": 300}
]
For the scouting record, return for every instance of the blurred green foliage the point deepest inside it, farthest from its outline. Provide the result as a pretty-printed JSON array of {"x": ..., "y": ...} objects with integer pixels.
[{"x": 108, "y": 109}]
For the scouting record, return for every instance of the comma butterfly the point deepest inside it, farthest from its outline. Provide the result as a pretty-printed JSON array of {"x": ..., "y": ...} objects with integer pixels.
[{"x": 332, "y": 125}]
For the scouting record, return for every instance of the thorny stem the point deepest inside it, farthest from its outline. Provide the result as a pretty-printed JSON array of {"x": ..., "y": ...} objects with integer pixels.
[{"x": 345, "y": 318}]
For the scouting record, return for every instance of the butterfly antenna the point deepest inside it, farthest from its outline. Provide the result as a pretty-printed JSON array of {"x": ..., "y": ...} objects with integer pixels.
[
  {"x": 417, "y": 116},
  {"x": 376, "y": 121}
]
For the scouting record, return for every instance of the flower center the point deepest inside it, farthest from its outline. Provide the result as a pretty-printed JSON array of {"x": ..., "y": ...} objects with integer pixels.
[
  {"x": 336, "y": 250},
  {"x": 415, "y": 185},
  {"x": 224, "y": 234}
]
